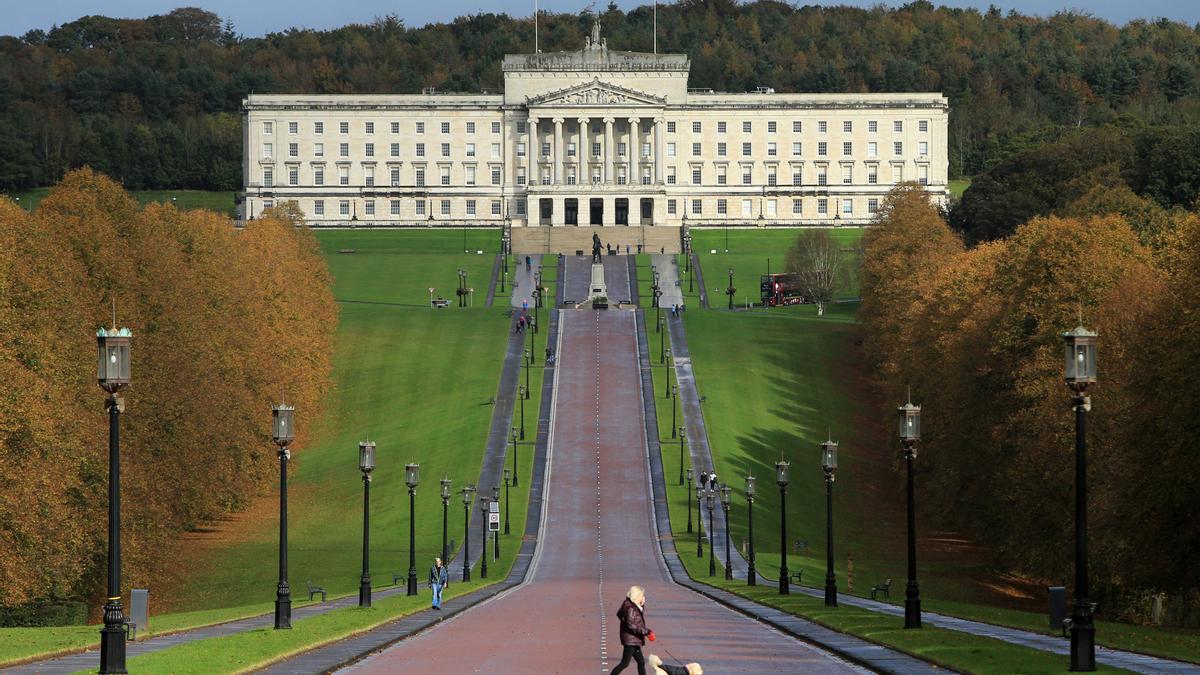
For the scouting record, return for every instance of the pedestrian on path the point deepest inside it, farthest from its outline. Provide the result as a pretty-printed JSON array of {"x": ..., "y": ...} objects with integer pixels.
[
  {"x": 704, "y": 480},
  {"x": 633, "y": 630},
  {"x": 712, "y": 481},
  {"x": 661, "y": 668},
  {"x": 438, "y": 578},
  {"x": 528, "y": 263}
]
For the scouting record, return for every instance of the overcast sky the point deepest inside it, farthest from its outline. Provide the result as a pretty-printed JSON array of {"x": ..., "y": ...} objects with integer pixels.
[{"x": 257, "y": 17}]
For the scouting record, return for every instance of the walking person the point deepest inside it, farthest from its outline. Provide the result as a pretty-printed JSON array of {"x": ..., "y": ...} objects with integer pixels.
[
  {"x": 438, "y": 578},
  {"x": 712, "y": 481},
  {"x": 528, "y": 263},
  {"x": 704, "y": 480},
  {"x": 633, "y": 630}
]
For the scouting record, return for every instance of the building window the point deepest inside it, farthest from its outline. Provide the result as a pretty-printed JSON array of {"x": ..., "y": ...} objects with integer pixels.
[
  {"x": 772, "y": 150},
  {"x": 671, "y": 176},
  {"x": 771, "y": 179},
  {"x": 520, "y": 176},
  {"x": 394, "y": 207},
  {"x": 495, "y": 151},
  {"x": 420, "y": 127},
  {"x": 621, "y": 180},
  {"x": 370, "y": 150},
  {"x": 520, "y": 149},
  {"x": 847, "y": 207},
  {"x": 495, "y": 207},
  {"x": 923, "y": 148},
  {"x": 695, "y": 149},
  {"x": 369, "y": 207},
  {"x": 343, "y": 149},
  {"x": 470, "y": 149},
  {"x": 318, "y": 175},
  {"x": 318, "y": 127},
  {"x": 923, "y": 174},
  {"x": 268, "y": 204},
  {"x": 343, "y": 127},
  {"x": 822, "y": 126},
  {"x": 445, "y": 149},
  {"x": 621, "y": 150},
  {"x": 545, "y": 176},
  {"x": 670, "y": 149},
  {"x": 571, "y": 176},
  {"x": 847, "y": 127},
  {"x": 318, "y": 207},
  {"x": 445, "y": 207},
  {"x": 772, "y": 208},
  {"x": 797, "y": 149},
  {"x": 721, "y": 149},
  {"x": 495, "y": 127},
  {"x": 822, "y": 207},
  {"x": 268, "y": 128},
  {"x": 923, "y": 126},
  {"x": 545, "y": 149},
  {"x": 419, "y": 177},
  {"x": 898, "y": 148},
  {"x": 697, "y": 207},
  {"x": 797, "y": 126},
  {"x": 394, "y": 150},
  {"x": 747, "y": 127},
  {"x": 420, "y": 150},
  {"x": 495, "y": 175},
  {"x": 872, "y": 149},
  {"x": 746, "y": 176},
  {"x": 847, "y": 175},
  {"x": 797, "y": 207},
  {"x": 395, "y": 128},
  {"x": 344, "y": 207},
  {"x": 720, "y": 127},
  {"x": 595, "y": 149},
  {"x": 872, "y": 205},
  {"x": 898, "y": 126},
  {"x": 772, "y": 126},
  {"x": 369, "y": 176},
  {"x": 872, "y": 175},
  {"x": 747, "y": 208},
  {"x": 394, "y": 174},
  {"x": 822, "y": 176},
  {"x": 595, "y": 176},
  {"x": 897, "y": 173},
  {"x": 445, "y": 127},
  {"x": 721, "y": 177},
  {"x": 746, "y": 149},
  {"x": 343, "y": 175},
  {"x": 470, "y": 207},
  {"x": 520, "y": 207},
  {"x": 470, "y": 175},
  {"x": 722, "y": 207},
  {"x": 268, "y": 150},
  {"x": 645, "y": 150},
  {"x": 470, "y": 127},
  {"x": 268, "y": 177},
  {"x": 696, "y": 176},
  {"x": 847, "y": 148},
  {"x": 293, "y": 128},
  {"x": 822, "y": 148},
  {"x": 670, "y": 127},
  {"x": 796, "y": 177},
  {"x": 293, "y": 149},
  {"x": 873, "y": 126},
  {"x": 369, "y": 127},
  {"x": 444, "y": 173},
  {"x": 522, "y": 128},
  {"x": 571, "y": 149},
  {"x": 420, "y": 207},
  {"x": 695, "y": 127},
  {"x": 671, "y": 207}
]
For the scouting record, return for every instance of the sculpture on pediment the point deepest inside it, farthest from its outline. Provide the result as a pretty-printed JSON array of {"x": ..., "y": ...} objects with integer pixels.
[{"x": 595, "y": 42}]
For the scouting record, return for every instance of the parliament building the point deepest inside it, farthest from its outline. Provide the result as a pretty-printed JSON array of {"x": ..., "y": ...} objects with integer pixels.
[{"x": 595, "y": 137}]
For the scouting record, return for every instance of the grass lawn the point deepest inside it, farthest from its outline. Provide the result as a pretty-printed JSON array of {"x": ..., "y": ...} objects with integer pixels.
[
  {"x": 185, "y": 200},
  {"x": 958, "y": 186}
]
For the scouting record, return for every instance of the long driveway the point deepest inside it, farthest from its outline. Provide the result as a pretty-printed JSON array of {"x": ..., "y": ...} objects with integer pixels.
[{"x": 599, "y": 539}]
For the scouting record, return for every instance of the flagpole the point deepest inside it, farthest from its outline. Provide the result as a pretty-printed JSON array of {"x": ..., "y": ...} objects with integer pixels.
[
  {"x": 656, "y": 27},
  {"x": 535, "y": 28}
]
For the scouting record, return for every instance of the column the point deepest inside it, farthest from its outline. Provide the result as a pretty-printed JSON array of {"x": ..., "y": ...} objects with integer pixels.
[
  {"x": 532, "y": 175},
  {"x": 609, "y": 176},
  {"x": 557, "y": 176},
  {"x": 635, "y": 153},
  {"x": 559, "y": 217},
  {"x": 660, "y": 125},
  {"x": 583, "y": 154},
  {"x": 610, "y": 211}
]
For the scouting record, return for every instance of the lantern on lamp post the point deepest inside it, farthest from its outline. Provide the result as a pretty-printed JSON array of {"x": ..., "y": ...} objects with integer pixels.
[
  {"x": 507, "y": 500},
  {"x": 468, "y": 495},
  {"x": 688, "y": 498},
  {"x": 366, "y": 464},
  {"x": 484, "y": 510},
  {"x": 910, "y": 433},
  {"x": 446, "y": 483},
  {"x": 283, "y": 433},
  {"x": 1079, "y": 372},
  {"x": 113, "y": 376},
  {"x": 781, "y": 478},
  {"x": 710, "y": 499},
  {"x": 699, "y": 521},
  {"x": 725, "y": 506},
  {"x": 412, "y": 476},
  {"x": 829, "y": 450},
  {"x": 750, "y": 571}
]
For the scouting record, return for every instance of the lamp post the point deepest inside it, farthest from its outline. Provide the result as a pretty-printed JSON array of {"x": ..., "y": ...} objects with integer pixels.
[
  {"x": 468, "y": 493},
  {"x": 412, "y": 476},
  {"x": 731, "y": 290},
  {"x": 674, "y": 407},
  {"x": 507, "y": 500},
  {"x": 699, "y": 521},
  {"x": 483, "y": 510},
  {"x": 750, "y": 572},
  {"x": 710, "y": 498},
  {"x": 445, "y": 520},
  {"x": 682, "y": 438},
  {"x": 366, "y": 463},
  {"x": 537, "y": 288},
  {"x": 688, "y": 473},
  {"x": 662, "y": 341},
  {"x": 667, "y": 393},
  {"x": 725, "y": 505},
  {"x": 521, "y": 395},
  {"x": 514, "y": 453},
  {"x": 829, "y": 450},
  {"x": 910, "y": 433},
  {"x": 496, "y": 534},
  {"x": 528, "y": 362},
  {"x": 537, "y": 302},
  {"x": 1080, "y": 371},
  {"x": 282, "y": 433},
  {"x": 113, "y": 376},
  {"x": 781, "y": 477},
  {"x": 465, "y": 250}
]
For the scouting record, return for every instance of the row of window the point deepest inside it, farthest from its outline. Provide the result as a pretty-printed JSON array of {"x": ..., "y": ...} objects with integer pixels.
[
  {"x": 368, "y": 127},
  {"x": 770, "y": 207},
  {"x": 347, "y": 207},
  {"x": 798, "y": 126},
  {"x": 343, "y": 176},
  {"x": 293, "y": 150}
]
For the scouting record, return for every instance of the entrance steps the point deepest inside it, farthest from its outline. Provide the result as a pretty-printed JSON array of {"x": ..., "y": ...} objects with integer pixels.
[{"x": 568, "y": 239}]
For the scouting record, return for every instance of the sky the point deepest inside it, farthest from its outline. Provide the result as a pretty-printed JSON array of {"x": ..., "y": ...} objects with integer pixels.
[{"x": 253, "y": 18}]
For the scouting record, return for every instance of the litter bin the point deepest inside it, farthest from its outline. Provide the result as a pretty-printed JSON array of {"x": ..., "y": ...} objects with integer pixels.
[
  {"x": 1058, "y": 606},
  {"x": 139, "y": 609}
]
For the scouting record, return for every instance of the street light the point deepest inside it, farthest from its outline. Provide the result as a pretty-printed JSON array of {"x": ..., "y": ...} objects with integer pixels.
[
  {"x": 731, "y": 290},
  {"x": 710, "y": 501},
  {"x": 113, "y": 376},
  {"x": 514, "y": 450},
  {"x": 725, "y": 504},
  {"x": 667, "y": 393},
  {"x": 662, "y": 341},
  {"x": 528, "y": 363},
  {"x": 412, "y": 476},
  {"x": 682, "y": 438},
  {"x": 283, "y": 433},
  {"x": 910, "y": 433},
  {"x": 507, "y": 501},
  {"x": 781, "y": 477},
  {"x": 445, "y": 520},
  {"x": 699, "y": 521},
  {"x": 750, "y": 573},
  {"x": 484, "y": 510},
  {"x": 496, "y": 534},
  {"x": 521, "y": 391},
  {"x": 468, "y": 494},
  {"x": 366, "y": 464},
  {"x": 829, "y": 450},
  {"x": 689, "y": 498},
  {"x": 1080, "y": 371},
  {"x": 674, "y": 407}
]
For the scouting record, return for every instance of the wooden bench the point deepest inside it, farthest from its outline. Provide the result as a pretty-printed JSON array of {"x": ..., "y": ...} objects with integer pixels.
[
  {"x": 798, "y": 577},
  {"x": 441, "y": 302},
  {"x": 885, "y": 588},
  {"x": 313, "y": 590}
]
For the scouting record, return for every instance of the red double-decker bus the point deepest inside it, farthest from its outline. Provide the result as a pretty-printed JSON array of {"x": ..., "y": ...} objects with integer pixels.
[{"x": 780, "y": 289}]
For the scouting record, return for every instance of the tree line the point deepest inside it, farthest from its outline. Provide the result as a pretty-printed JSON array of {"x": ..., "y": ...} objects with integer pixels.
[
  {"x": 976, "y": 333},
  {"x": 224, "y": 323},
  {"x": 155, "y": 102}
]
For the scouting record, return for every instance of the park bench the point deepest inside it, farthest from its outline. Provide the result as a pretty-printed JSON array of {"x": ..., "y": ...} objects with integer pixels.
[
  {"x": 798, "y": 577},
  {"x": 441, "y": 302},
  {"x": 347, "y": 250},
  {"x": 313, "y": 590},
  {"x": 885, "y": 588}
]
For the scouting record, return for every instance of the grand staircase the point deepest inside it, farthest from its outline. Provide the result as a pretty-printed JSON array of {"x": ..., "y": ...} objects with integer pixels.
[{"x": 571, "y": 238}]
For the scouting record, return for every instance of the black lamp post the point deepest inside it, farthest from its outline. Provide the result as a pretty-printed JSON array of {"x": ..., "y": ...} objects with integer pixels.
[
  {"x": 667, "y": 393},
  {"x": 674, "y": 407},
  {"x": 829, "y": 450},
  {"x": 731, "y": 290},
  {"x": 514, "y": 453},
  {"x": 445, "y": 520},
  {"x": 910, "y": 433},
  {"x": 366, "y": 463},
  {"x": 725, "y": 505},
  {"x": 282, "y": 433},
  {"x": 412, "y": 476},
  {"x": 462, "y": 287},
  {"x": 528, "y": 361},
  {"x": 662, "y": 342},
  {"x": 504, "y": 244},
  {"x": 468, "y": 493},
  {"x": 710, "y": 499},
  {"x": 507, "y": 500},
  {"x": 682, "y": 438},
  {"x": 1080, "y": 346},
  {"x": 496, "y": 534},
  {"x": 781, "y": 477},
  {"x": 750, "y": 572},
  {"x": 537, "y": 302},
  {"x": 699, "y": 521},
  {"x": 537, "y": 289},
  {"x": 521, "y": 395},
  {"x": 689, "y": 498},
  {"x": 113, "y": 377},
  {"x": 484, "y": 509}
]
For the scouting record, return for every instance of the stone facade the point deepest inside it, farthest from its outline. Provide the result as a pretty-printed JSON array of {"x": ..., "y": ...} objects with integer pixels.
[{"x": 592, "y": 137}]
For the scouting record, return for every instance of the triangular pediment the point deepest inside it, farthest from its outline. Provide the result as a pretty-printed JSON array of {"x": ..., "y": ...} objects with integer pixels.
[{"x": 596, "y": 93}]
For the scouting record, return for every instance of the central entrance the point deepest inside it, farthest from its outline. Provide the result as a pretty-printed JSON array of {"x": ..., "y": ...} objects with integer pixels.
[
  {"x": 596, "y": 207},
  {"x": 622, "y": 211},
  {"x": 571, "y": 211}
]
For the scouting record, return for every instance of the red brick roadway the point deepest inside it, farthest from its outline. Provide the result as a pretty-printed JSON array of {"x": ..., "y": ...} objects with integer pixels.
[{"x": 599, "y": 538}]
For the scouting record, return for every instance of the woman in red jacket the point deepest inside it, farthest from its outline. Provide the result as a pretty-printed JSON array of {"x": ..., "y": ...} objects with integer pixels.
[{"x": 633, "y": 630}]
